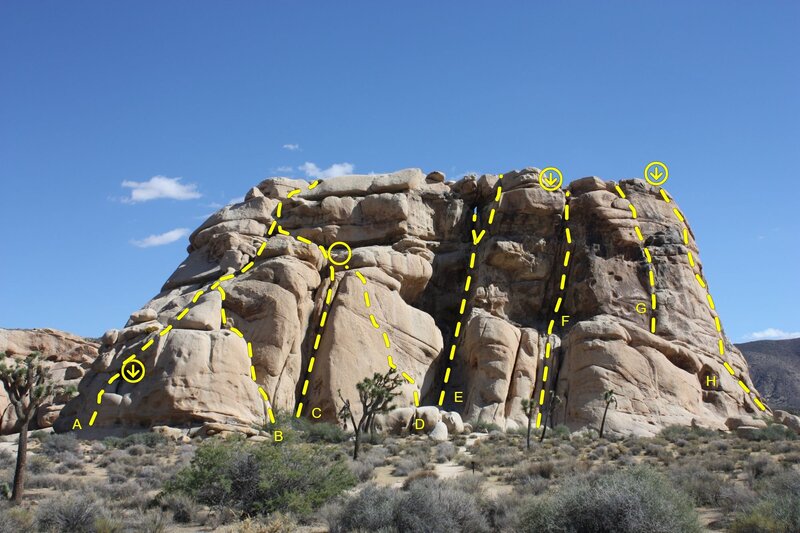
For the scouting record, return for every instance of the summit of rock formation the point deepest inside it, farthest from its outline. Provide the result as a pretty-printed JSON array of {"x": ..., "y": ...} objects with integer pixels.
[{"x": 530, "y": 317}]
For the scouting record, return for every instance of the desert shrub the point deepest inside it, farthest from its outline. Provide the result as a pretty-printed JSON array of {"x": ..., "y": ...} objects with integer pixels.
[
  {"x": 560, "y": 432},
  {"x": 773, "y": 433},
  {"x": 362, "y": 470},
  {"x": 146, "y": 439},
  {"x": 481, "y": 426},
  {"x": 444, "y": 452},
  {"x": 371, "y": 509},
  {"x": 39, "y": 464},
  {"x": 7, "y": 459},
  {"x": 704, "y": 487},
  {"x": 73, "y": 514},
  {"x": 60, "y": 443},
  {"x": 260, "y": 479},
  {"x": 426, "y": 505},
  {"x": 688, "y": 433},
  {"x": 773, "y": 514},
  {"x": 16, "y": 519},
  {"x": 636, "y": 500},
  {"x": 761, "y": 466},
  {"x": 182, "y": 507},
  {"x": 40, "y": 435},
  {"x": 320, "y": 431}
]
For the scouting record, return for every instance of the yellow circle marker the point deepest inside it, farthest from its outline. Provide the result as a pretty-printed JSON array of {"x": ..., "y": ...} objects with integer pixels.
[
  {"x": 330, "y": 253},
  {"x": 132, "y": 371},
  {"x": 549, "y": 182},
  {"x": 656, "y": 173}
]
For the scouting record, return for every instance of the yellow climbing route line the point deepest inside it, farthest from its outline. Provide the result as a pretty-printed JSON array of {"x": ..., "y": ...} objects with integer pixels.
[
  {"x": 215, "y": 286},
  {"x": 651, "y": 271},
  {"x": 548, "y": 348},
  {"x": 712, "y": 307},
  {"x": 476, "y": 239},
  {"x": 326, "y": 307},
  {"x": 386, "y": 341}
]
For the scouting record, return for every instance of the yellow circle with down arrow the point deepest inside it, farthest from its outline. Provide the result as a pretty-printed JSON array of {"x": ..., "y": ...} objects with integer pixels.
[
  {"x": 548, "y": 181},
  {"x": 132, "y": 371},
  {"x": 656, "y": 173}
]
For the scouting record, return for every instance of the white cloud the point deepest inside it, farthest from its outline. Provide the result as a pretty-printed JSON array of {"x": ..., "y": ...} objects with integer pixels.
[
  {"x": 291, "y": 147},
  {"x": 160, "y": 187},
  {"x": 162, "y": 239},
  {"x": 337, "y": 169},
  {"x": 772, "y": 334}
]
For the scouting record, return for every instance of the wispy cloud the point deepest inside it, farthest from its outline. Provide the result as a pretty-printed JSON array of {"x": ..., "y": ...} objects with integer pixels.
[
  {"x": 337, "y": 169},
  {"x": 160, "y": 187},
  {"x": 284, "y": 169},
  {"x": 161, "y": 239},
  {"x": 291, "y": 147},
  {"x": 772, "y": 334}
]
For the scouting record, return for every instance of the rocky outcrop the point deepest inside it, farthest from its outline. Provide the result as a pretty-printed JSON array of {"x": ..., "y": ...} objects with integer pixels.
[
  {"x": 313, "y": 334},
  {"x": 67, "y": 356}
]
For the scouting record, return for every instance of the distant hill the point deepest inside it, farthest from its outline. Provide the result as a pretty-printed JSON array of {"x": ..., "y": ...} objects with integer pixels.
[{"x": 775, "y": 369}]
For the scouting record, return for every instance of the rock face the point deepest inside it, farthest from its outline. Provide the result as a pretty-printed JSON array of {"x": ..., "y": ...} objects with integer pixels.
[
  {"x": 529, "y": 318},
  {"x": 67, "y": 356},
  {"x": 775, "y": 367}
]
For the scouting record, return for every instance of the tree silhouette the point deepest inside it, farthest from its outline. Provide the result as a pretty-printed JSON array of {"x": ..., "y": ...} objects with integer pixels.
[
  {"x": 376, "y": 395},
  {"x": 609, "y": 398},
  {"x": 28, "y": 384}
]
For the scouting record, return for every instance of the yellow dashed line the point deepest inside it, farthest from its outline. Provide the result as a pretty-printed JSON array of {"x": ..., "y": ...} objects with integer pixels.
[
  {"x": 237, "y": 332},
  {"x": 113, "y": 378},
  {"x": 311, "y": 364},
  {"x": 416, "y": 398},
  {"x": 550, "y": 327},
  {"x": 544, "y": 374},
  {"x": 279, "y": 210},
  {"x": 249, "y": 350},
  {"x": 360, "y": 276},
  {"x": 547, "y": 349},
  {"x": 196, "y": 296},
  {"x": 148, "y": 344},
  {"x": 165, "y": 330},
  {"x": 366, "y": 299},
  {"x": 446, "y": 375},
  {"x": 452, "y": 351},
  {"x": 316, "y": 341},
  {"x": 261, "y": 248},
  {"x": 566, "y": 258},
  {"x": 647, "y": 255},
  {"x": 91, "y": 420},
  {"x": 305, "y": 387},
  {"x": 129, "y": 359},
  {"x": 221, "y": 293},
  {"x": 304, "y": 240},
  {"x": 391, "y": 362},
  {"x": 100, "y": 396},
  {"x": 227, "y": 277},
  {"x": 272, "y": 227},
  {"x": 638, "y": 231},
  {"x": 253, "y": 372},
  {"x": 386, "y": 340},
  {"x": 472, "y": 260},
  {"x": 179, "y": 317},
  {"x": 247, "y": 267},
  {"x": 441, "y": 398},
  {"x": 633, "y": 210},
  {"x": 466, "y": 285},
  {"x": 263, "y": 393},
  {"x": 214, "y": 286},
  {"x": 299, "y": 410},
  {"x": 292, "y": 193},
  {"x": 316, "y": 182},
  {"x": 558, "y": 304},
  {"x": 717, "y": 322},
  {"x": 328, "y": 296},
  {"x": 652, "y": 324},
  {"x": 463, "y": 306},
  {"x": 619, "y": 191},
  {"x": 569, "y": 236},
  {"x": 322, "y": 320},
  {"x": 408, "y": 378},
  {"x": 223, "y": 318},
  {"x": 563, "y": 282},
  {"x": 283, "y": 231},
  {"x": 374, "y": 322}
]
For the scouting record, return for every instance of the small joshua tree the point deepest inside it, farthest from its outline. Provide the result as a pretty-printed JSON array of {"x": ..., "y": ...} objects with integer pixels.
[
  {"x": 29, "y": 385},
  {"x": 527, "y": 408},
  {"x": 555, "y": 399},
  {"x": 376, "y": 395},
  {"x": 609, "y": 398}
]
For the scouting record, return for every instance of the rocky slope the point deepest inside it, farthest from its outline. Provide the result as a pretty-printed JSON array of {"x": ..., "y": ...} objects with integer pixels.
[
  {"x": 775, "y": 367},
  {"x": 68, "y": 357},
  {"x": 412, "y": 238}
]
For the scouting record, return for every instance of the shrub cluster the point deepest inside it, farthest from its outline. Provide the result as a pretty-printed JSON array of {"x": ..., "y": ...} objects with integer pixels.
[{"x": 263, "y": 478}]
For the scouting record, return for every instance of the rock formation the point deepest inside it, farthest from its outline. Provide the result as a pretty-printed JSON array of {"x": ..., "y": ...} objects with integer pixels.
[
  {"x": 67, "y": 356},
  {"x": 412, "y": 238}
]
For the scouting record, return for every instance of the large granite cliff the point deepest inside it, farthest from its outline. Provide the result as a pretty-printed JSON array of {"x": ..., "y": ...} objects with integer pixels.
[{"x": 412, "y": 238}]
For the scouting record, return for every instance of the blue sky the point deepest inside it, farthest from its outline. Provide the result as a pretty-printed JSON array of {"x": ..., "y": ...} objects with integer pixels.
[{"x": 94, "y": 95}]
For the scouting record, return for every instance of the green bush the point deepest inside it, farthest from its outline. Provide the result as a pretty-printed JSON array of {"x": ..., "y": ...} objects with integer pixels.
[
  {"x": 263, "y": 478},
  {"x": 773, "y": 514},
  {"x": 636, "y": 500},
  {"x": 772, "y": 433},
  {"x": 16, "y": 519}
]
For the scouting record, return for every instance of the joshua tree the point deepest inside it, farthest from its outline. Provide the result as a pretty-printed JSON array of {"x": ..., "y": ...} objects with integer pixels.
[
  {"x": 28, "y": 384},
  {"x": 527, "y": 408},
  {"x": 548, "y": 413},
  {"x": 376, "y": 395},
  {"x": 609, "y": 398}
]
